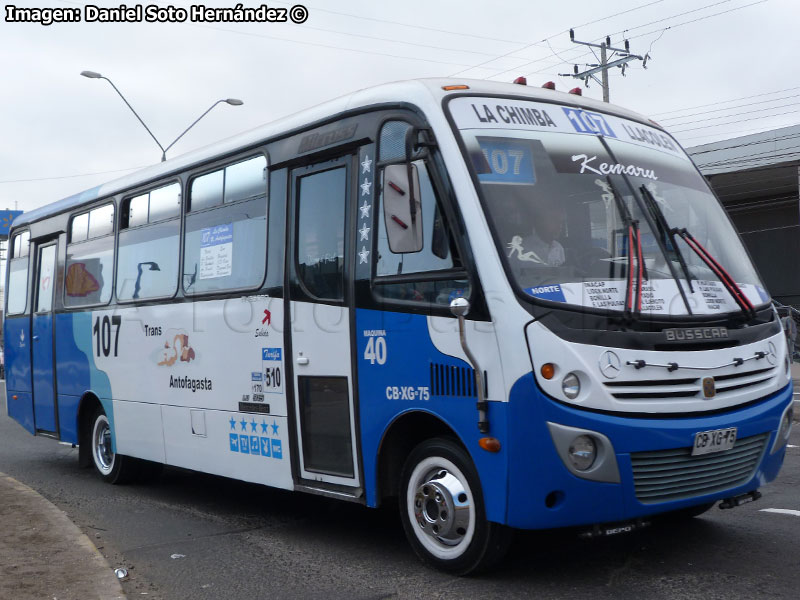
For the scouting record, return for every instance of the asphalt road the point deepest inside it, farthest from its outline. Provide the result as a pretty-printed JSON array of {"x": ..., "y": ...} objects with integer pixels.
[{"x": 196, "y": 536}]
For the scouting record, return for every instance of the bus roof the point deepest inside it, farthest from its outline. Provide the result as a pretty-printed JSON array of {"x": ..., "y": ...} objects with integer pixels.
[{"x": 424, "y": 93}]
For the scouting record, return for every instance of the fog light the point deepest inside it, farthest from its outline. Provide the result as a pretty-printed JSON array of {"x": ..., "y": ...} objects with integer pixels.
[
  {"x": 786, "y": 425},
  {"x": 571, "y": 386},
  {"x": 582, "y": 452}
]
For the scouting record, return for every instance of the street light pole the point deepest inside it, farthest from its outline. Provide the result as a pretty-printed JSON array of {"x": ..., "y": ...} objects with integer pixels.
[
  {"x": 231, "y": 101},
  {"x": 93, "y": 75}
]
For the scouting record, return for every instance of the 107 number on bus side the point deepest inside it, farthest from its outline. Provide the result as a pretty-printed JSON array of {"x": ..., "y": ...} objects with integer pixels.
[{"x": 102, "y": 335}]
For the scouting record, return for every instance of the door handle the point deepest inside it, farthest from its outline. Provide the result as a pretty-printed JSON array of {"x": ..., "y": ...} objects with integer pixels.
[{"x": 302, "y": 360}]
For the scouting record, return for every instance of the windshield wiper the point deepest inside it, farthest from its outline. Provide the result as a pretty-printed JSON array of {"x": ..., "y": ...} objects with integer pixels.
[
  {"x": 733, "y": 288},
  {"x": 665, "y": 232},
  {"x": 632, "y": 307}
]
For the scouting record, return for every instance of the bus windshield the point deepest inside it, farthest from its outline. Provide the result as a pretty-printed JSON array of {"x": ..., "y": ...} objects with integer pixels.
[{"x": 560, "y": 204}]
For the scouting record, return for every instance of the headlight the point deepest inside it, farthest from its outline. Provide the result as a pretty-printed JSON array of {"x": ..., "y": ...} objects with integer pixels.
[
  {"x": 582, "y": 452},
  {"x": 571, "y": 386}
]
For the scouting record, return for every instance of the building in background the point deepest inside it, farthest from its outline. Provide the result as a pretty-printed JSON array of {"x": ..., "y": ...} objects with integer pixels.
[{"x": 756, "y": 178}]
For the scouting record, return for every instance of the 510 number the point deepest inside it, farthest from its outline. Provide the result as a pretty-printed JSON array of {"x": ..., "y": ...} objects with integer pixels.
[{"x": 102, "y": 334}]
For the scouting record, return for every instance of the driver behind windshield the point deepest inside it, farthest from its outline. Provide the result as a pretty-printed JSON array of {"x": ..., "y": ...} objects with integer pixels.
[{"x": 540, "y": 245}]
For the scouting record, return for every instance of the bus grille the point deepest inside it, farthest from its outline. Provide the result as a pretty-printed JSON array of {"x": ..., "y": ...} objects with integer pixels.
[
  {"x": 689, "y": 387},
  {"x": 666, "y": 475}
]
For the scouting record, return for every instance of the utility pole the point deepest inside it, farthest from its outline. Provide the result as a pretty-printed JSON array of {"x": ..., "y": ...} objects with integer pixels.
[{"x": 604, "y": 65}]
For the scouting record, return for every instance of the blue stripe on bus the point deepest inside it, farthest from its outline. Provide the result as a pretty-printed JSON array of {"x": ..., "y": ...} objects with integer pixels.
[
  {"x": 18, "y": 371},
  {"x": 77, "y": 374},
  {"x": 409, "y": 354}
]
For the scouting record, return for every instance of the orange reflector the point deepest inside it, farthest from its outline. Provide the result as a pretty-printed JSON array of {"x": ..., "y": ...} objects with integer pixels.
[
  {"x": 489, "y": 444},
  {"x": 13, "y": 397},
  {"x": 548, "y": 370},
  {"x": 450, "y": 88}
]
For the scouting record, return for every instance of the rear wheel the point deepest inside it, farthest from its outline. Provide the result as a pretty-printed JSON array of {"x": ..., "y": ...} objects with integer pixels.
[
  {"x": 442, "y": 510},
  {"x": 112, "y": 467}
]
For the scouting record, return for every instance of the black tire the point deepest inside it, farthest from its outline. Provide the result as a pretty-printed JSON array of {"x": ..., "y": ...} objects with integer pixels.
[
  {"x": 442, "y": 510},
  {"x": 113, "y": 468}
]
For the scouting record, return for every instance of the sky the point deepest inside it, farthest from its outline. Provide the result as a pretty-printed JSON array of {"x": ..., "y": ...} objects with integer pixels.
[{"x": 717, "y": 69}]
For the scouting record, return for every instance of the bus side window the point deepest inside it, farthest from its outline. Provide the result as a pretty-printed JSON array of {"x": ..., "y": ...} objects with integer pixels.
[
  {"x": 149, "y": 238},
  {"x": 438, "y": 251},
  {"x": 90, "y": 258},
  {"x": 225, "y": 243},
  {"x": 18, "y": 274}
]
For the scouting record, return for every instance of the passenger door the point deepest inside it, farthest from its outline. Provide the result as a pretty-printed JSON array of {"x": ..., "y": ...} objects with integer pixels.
[
  {"x": 44, "y": 398},
  {"x": 320, "y": 302}
]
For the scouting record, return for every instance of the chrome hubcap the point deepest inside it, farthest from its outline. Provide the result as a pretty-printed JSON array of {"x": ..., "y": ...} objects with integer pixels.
[
  {"x": 442, "y": 507},
  {"x": 103, "y": 453}
]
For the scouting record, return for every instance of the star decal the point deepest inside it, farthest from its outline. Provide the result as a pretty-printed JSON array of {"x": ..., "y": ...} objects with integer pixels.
[
  {"x": 233, "y": 424},
  {"x": 253, "y": 425},
  {"x": 365, "y": 166},
  {"x": 274, "y": 428},
  {"x": 364, "y": 208},
  {"x": 365, "y": 187},
  {"x": 364, "y": 233},
  {"x": 264, "y": 426},
  {"x": 243, "y": 423},
  {"x": 363, "y": 256}
]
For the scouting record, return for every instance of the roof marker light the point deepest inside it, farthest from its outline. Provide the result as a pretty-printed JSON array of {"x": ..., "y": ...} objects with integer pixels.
[
  {"x": 577, "y": 91},
  {"x": 450, "y": 88},
  {"x": 549, "y": 85},
  {"x": 521, "y": 80}
]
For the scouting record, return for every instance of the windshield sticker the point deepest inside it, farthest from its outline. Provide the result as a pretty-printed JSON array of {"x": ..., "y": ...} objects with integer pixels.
[
  {"x": 659, "y": 296},
  {"x": 587, "y": 164},
  {"x": 505, "y": 161},
  {"x": 513, "y": 114},
  {"x": 547, "y": 292},
  {"x": 216, "y": 251},
  {"x": 588, "y": 122},
  {"x": 494, "y": 113}
]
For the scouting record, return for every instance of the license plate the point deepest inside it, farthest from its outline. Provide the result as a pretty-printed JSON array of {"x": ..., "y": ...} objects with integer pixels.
[{"x": 706, "y": 442}]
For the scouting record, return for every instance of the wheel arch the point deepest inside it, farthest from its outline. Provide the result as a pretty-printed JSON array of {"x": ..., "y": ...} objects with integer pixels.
[
  {"x": 87, "y": 406},
  {"x": 401, "y": 436}
]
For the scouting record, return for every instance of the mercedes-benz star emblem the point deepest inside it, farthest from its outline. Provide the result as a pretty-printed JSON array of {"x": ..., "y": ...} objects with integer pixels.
[
  {"x": 610, "y": 365},
  {"x": 772, "y": 354}
]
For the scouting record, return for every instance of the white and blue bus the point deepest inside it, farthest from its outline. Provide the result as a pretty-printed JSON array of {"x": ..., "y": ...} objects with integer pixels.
[{"x": 508, "y": 307}]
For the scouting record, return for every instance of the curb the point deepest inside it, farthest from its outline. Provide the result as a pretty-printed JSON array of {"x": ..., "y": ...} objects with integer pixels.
[{"x": 43, "y": 554}]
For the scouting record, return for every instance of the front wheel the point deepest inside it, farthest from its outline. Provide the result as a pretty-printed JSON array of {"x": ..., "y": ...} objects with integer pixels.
[
  {"x": 442, "y": 510},
  {"x": 112, "y": 467}
]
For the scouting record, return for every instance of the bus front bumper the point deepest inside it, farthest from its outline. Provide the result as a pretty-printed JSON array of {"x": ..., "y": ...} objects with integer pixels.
[{"x": 543, "y": 492}]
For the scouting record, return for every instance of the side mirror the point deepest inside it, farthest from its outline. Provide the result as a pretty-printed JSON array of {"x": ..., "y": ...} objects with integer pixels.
[{"x": 402, "y": 209}]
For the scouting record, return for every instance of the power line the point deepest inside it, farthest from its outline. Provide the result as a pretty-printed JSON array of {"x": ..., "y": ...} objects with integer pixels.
[
  {"x": 688, "y": 12},
  {"x": 788, "y": 112},
  {"x": 660, "y": 30},
  {"x": 409, "y": 25},
  {"x": 724, "y": 12},
  {"x": 744, "y": 112},
  {"x": 553, "y": 36},
  {"x": 716, "y": 110},
  {"x": 329, "y": 46},
  {"x": 669, "y": 112},
  {"x": 753, "y": 143},
  {"x": 35, "y": 179},
  {"x": 737, "y": 134}
]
